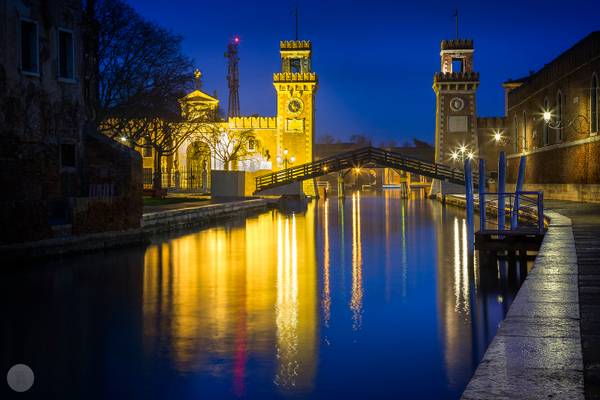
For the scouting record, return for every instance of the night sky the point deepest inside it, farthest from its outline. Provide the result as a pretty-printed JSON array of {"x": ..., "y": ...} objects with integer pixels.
[{"x": 375, "y": 59}]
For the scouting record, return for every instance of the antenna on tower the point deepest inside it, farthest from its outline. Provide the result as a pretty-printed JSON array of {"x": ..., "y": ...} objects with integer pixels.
[
  {"x": 296, "y": 21},
  {"x": 456, "y": 18},
  {"x": 233, "y": 77}
]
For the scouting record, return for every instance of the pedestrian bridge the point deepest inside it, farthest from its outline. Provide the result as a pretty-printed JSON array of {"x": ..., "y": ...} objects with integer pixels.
[{"x": 363, "y": 157}]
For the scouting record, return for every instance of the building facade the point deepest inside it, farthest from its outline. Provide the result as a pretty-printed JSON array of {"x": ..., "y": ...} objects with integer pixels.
[
  {"x": 551, "y": 117},
  {"x": 552, "y": 120},
  {"x": 57, "y": 176}
]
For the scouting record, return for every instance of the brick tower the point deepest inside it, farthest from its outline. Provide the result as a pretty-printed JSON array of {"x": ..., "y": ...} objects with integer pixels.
[{"x": 455, "y": 88}]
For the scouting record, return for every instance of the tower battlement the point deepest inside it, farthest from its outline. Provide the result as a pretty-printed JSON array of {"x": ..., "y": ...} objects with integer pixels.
[
  {"x": 467, "y": 76},
  {"x": 457, "y": 44},
  {"x": 295, "y": 77},
  {"x": 295, "y": 45}
]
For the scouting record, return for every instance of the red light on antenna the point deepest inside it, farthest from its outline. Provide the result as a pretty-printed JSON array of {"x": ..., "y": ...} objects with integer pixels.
[{"x": 236, "y": 39}]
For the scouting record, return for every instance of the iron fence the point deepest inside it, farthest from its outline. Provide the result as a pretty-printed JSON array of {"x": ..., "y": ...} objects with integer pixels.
[{"x": 185, "y": 181}]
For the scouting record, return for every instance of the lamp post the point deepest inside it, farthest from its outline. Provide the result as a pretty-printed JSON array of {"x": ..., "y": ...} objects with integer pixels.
[
  {"x": 461, "y": 154},
  {"x": 285, "y": 160}
]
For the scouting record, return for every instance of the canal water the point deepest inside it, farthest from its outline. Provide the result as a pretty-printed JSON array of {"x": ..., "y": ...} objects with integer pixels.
[{"x": 370, "y": 297}]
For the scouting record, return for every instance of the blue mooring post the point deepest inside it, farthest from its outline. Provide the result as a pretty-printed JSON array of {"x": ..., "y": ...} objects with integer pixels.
[
  {"x": 482, "y": 215},
  {"x": 469, "y": 192},
  {"x": 501, "y": 190},
  {"x": 514, "y": 221}
]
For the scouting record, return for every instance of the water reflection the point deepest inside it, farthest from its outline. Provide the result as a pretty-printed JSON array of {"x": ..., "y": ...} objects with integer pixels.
[
  {"x": 357, "y": 288},
  {"x": 302, "y": 305}
]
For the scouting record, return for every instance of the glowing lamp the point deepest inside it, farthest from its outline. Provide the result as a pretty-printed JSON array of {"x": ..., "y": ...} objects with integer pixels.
[
  {"x": 454, "y": 156},
  {"x": 278, "y": 159},
  {"x": 123, "y": 139},
  {"x": 497, "y": 136},
  {"x": 547, "y": 116},
  {"x": 470, "y": 156},
  {"x": 292, "y": 159},
  {"x": 325, "y": 168},
  {"x": 463, "y": 148},
  {"x": 285, "y": 151}
]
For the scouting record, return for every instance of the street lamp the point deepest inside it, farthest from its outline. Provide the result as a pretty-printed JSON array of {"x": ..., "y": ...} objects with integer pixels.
[
  {"x": 462, "y": 153},
  {"x": 579, "y": 123},
  {"x": 285, "y": 160}
]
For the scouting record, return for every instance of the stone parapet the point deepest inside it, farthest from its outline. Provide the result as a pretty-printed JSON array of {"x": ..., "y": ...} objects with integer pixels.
[
  {"x": 252, "y": 122},
  {"x": 457, "y": 44},
  {"x": 295, "y": 45},
  {"x": 456, "y": 77},
  {"x": 295, "y": 77}
]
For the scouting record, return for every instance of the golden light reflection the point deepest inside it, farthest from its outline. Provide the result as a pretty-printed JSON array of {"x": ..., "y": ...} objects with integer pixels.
[
  {"x": 357, "y": 289},
  {"x": 234, "y": 294},
  {"x": 287, "y": 304},
  {"x": 326, "y": 262},
  {"x": 461, "y": 267}
]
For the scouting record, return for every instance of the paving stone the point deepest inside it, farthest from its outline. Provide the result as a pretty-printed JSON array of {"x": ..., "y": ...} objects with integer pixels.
[{"x": 539, "y": 327}]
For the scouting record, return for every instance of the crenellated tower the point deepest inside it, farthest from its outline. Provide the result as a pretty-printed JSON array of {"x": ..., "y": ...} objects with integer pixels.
[
  {"x": 455, "y": 88},
  {"x": 296, "y": 86}
]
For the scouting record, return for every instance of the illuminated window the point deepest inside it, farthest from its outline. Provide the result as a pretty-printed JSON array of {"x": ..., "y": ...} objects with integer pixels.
[
  {"x": 147, "y": 149},
  {"x": 524, "y": 132},
  {"x": 545, "y": 128},
  {"x": 559, "y": 116},
  {"x": 594, "y": 93},
  {"x": 66, "y": 55},
  {"x": 515, "y": 135},
  {"x": 29, "y": 47}
]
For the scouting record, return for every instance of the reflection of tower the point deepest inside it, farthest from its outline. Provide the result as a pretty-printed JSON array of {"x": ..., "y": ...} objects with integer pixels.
[{"x": 233, "y": 78}]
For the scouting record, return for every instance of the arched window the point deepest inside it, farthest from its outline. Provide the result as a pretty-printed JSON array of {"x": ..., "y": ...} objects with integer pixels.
[
  {"x": 594, "y": 93},
  {"x": 545, "y": 128},
  {"x": 559, "y": 116},
  {"x": 515, "y": 135},
  {"x": 524, "y": 132}
]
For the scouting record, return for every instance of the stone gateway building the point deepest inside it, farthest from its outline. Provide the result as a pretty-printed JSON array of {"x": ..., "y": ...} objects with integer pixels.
[
  {"x": 551, "y": 118},
  {"x": 276, "y": 142}
]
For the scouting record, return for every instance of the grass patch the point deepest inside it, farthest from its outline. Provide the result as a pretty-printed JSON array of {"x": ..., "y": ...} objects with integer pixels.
[{"x": 155, "y": 201}]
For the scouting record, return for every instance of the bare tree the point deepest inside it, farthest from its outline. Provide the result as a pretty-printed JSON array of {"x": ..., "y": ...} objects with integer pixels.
[
  {"x": 327, "y": 139},
  {"x": 228, "y": 146},
  {"x": 360, "y": 139},
  {"x": 141, "y": 70}
]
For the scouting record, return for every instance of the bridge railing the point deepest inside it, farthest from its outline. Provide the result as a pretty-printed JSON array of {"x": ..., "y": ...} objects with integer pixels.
[{"x": 358, "y": 158}]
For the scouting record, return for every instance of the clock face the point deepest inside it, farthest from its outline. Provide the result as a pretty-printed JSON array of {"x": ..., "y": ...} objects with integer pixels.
[
  {"x": 295, "y": 106},
  {"x": 457, "y": 104}
]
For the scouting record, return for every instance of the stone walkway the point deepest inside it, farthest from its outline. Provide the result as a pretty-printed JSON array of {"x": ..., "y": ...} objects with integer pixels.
[
  {"x": 586, "y": 232},
  {"x": 536, "y": 353}
]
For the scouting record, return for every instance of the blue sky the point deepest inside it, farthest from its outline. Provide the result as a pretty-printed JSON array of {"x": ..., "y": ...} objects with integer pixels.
[{"x": 375, "y": 59}]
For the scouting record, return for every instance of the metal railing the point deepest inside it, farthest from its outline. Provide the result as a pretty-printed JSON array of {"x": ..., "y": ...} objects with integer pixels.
[
  {"x": 359, "y": 158},
  {"x": 178, "y": 181},
  {"x": 523, "y": 212}
]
